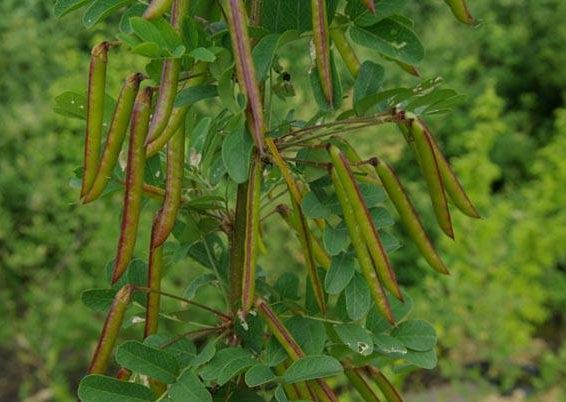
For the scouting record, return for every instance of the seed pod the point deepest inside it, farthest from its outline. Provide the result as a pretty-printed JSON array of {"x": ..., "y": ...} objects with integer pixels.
[
  {"x": 386, "y": 388},
  {"x": 370, "y": 4},
  {"x": 110, "y": 331},
  {"x": 293, "y": 391},
  {"x": 175, "y": 120},
  {"x": 429, "y": 167},
  {"x": 320, "y": 255},
  {"x": 360, "y": 384},
  {"x": 237, "y": 20},
  {"x": 116, "y": 135},
  {"x": 95, "y": 113},
  {"x": 251, "y": 234},
  {"x": 345, "y": 49},
  {"x": 460, "y": 10},
  {"x": 452, "y": 185},
  {"x": 157, "y": 8},
  {"x": 155, "y": 271},
  {"x": 134, "y": 183},
  {"x": 166, "y": 217},
  {"x": 294, "y": 351},
  {"x": 169, "y": 80},
  {"x": 365, "y": 222},
  {"x": 362, "y": 253},
  {"x": 408, "y": 215},
  {"x": 354, "y": 158},
  {"x": 321, "y": 41}
]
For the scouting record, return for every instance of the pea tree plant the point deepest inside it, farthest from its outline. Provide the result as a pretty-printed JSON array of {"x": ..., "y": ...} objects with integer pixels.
[{"x": 221, "y": 172}]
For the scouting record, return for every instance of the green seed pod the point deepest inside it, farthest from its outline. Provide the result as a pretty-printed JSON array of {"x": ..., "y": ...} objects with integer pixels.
[
  {"x": 345, "y": 49},
  {"x": 166, "y": 217},
  {"x": 157, "y": 8},
  {"x": 116, "y": 135},
  {"x": 155, "y": 272},
  {"x": 95, "y": 113},
  {"x": 291, "y": 390},
  {"x": 169, "y": 80},
  {"x": 294, "y": 351},
  {"x": 362, "y": 253},
  {"x": 320, "y": 255},
  {"x": 134, "y": 183},
  {"x": 365, "y": 222},
  {"x": 253, "y": 201},
  {"x": 460, "y": 10},
  {"x": 453, "y": 186},
  {"x": 358, "y": 381},
  {"x": 429, "y": 167},
  {"x": 386, "y": 388},
  {"x": 110, "y": 331},
  {"x": 321, "y": 41},
  {"x": 237, "y": 21},
  {"x": 177, "y": 118},
  {"x": 408, "y": 215}
]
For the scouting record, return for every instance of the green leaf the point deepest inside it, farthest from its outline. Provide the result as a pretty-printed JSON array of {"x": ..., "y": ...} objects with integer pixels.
[
  {"x": 287, "y": 286},
  {"x": 198, "y": 282},
  {"x": 369, "y": 80},
  {"x": 202, "y": 54},
  {"x": 63, "y": 7},
  {"x": 363, "y": 17},
  {"x": 377, "y": 323},
  {"x": 426, "y": 360},
  {"x": 391, "y": 38},
  {"x": 191, "y": 95},
  {"x": 390, "y": 242},
  {"x": 318, "y": 93},
  {"x": 309, "y": 334},
  {"x": 96, "y": 388},
  {"x": 236, "y": 154},
  {"x": 340, "y": 274},
  {"x": 372, "y": 194},
  {"x": 98, "y": 299},
  {"x": 135, "y": 10},
  {"x": 147, "y": 31},
  {"x": 101, "y": 9},
  {"x": 336, "y": 239},
  {"x": 386, "y": 344},
  {"x": 312, "y": 173},
  {"x": 227, "y": 364},
  {"x": 312, "y": 367},
  {"x": 189, "y": 389},
  {"x": 182, "y": 349},
  {"x": 286, "y": 15},
  {"x": 71, "y": 104},
  {"x": 258, "y": 375},
  {"x": 265, "y": 50},
  {"x": 355, "y": 337},
  {"x": 206, "y": 354},
  {"x": 358, "y": 297},
  {"x": 144, "y": 359},
  {"x": 417, "y": 335},
  {"x": 381, "y": 217},
  {"x": 312, "y": 208}
]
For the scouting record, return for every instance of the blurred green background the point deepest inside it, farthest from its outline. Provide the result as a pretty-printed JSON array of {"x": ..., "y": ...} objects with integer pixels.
[{"x": 500, "y": 316}]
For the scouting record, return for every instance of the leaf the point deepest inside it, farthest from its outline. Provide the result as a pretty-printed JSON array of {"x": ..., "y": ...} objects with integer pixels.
[
  {"x": 312, "y": 208},
  {"x": 63, "y": 7},
  {"x": 312, "y": 173},
  {"x": 191, "y": 95},
  {"x": 390, "y": 38},
  {"x": 355, "y": 337},
  {"x": 381, "y": 217},
  {"x": 147, "y": 31},
  {"x": 227, "y": 363},
  {"x": 369, "y": 81},
  {"x": 377, "y": 324},
  {"x": 198, "y": 282},
  {"x": 135, "y": 10},
  {"x": 340, "y": 274},
  {"x": 206, "y": 354},
  {"x": 387, "y": 344},
  {"x": 236, "y": 154},
  {"x": 96, "y": 388},
  {"x": 372, "y": 194},
  {"x": 203, "y": 54},
  {"x": 101, "y": 9},
  {"x": 287, "y": 286},
  {"x": 98, "y": 299},
  {"x": 258, "y": 375},
  {"x": 336, "y": 238},
  {"x": 312, "y": 367},
  {"x": 363, "y": 17},
  {"x": 309, "y": 334},
  {"x": 357, "y": 297},
  {"x": 426, "y": 360},
  {"x": 318, "y": 92},
  {"x": 264, "y": 52},
  {"x": 417, "y": 335},
  {"x": 189, "y": 389},
  {"x": 286, "y": 15},
  {"x": 144, "y": 359}
]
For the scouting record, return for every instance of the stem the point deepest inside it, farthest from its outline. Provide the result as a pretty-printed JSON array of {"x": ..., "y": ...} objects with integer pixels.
[{"x": 237, "y": 238}]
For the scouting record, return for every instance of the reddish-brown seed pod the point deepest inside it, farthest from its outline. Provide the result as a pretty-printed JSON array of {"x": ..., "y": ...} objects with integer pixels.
[
  {"x": 116, "y": 135},
  {"x": 110, "y": 331},
  {"x": 321, "y": 39},
  {"x": 384, "y": 385},
  {"x": 155, "y": 271},
  {"x": 237, "y": 21},
  {"x": 95, "y": 113},
  {"x": 358, "y": 381},
  {"x": 134, "y": 183}
]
